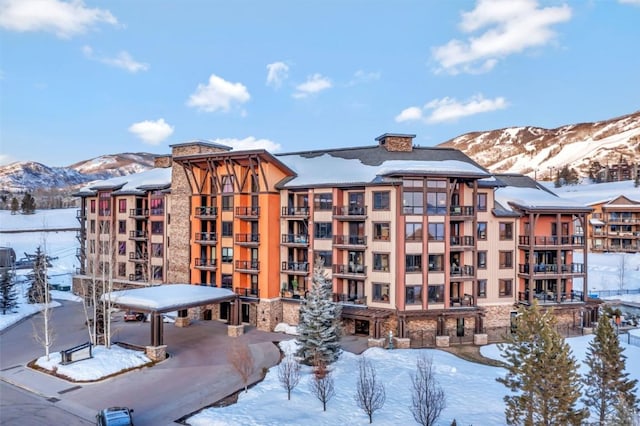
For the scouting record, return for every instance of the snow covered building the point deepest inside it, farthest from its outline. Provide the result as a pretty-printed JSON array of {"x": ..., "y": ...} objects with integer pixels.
[{"x": 615, "y": 226}]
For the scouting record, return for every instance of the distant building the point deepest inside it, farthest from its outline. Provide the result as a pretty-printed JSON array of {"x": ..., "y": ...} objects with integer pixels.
[
  {"x": 622, "y": 170},
  {"x": 615, "y": 226}
]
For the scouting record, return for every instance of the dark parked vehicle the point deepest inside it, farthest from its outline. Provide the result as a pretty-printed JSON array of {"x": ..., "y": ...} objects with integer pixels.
[
  {"x": 134, "y": 316},
  {"x": 115, "y": 416}
]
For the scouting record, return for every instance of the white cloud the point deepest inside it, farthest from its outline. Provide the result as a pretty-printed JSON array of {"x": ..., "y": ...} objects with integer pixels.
[
  {"x": 510, "y": 26},
  {"x": 5, "y": 159},
  {"x": 218, "y": 94},
  {"x": 449, "y": 109},
  {"x": 360, "y": 77},
  {"x": 277, "y": 72},
  {"x": 122, "y": 60},
  {"x": 633, "y": 2},
  {"x": 249, "y": 143},
  {"x": 64, "y": 19},
  {"x": 315, "y": 83},
  {"x": 152, "y": 132}
]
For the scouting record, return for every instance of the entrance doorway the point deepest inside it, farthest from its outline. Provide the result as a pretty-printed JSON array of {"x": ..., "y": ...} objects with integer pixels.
[
  {"x": 245, "y": 312},
  {"x": 362, "y": 327}
]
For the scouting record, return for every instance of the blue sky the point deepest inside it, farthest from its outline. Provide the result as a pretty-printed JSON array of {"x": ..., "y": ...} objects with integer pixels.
[{"x": 79, "y": 79}]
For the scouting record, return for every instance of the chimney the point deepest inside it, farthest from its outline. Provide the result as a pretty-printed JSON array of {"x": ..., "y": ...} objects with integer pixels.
[
  {"x": 396, "y": 142},
  {"x": 162, "y": 161}
]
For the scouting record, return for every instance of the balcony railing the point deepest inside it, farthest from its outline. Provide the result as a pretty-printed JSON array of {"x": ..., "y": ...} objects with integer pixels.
[
  {"x": 138, "y": 256},
  {"x": 138, "y": 235},
  {"x": 462, "y": 271},
  {"x": 461, "y": 211},
  {"x": 350, "y": 212},
  {"x": 206, "y": 237},
  {"x": 350, "y": 269},
  {"x": 204, "y": 263},
  {"x": 248, "y": 212},
  {"x": 357, "y": 299},
  {"x": 295, "y": 211},
  {"x": 457, "y": 241},
  {"x": 139, "y": 213},
  {"x": 158, "y": 211},
  {"x": 247, "y": 238},
  {"x": 248, "y": 265},
  {"x": 206, "y": 211},
  {"x": 137, "y": 277},
  {"x": 552, "y": 240},
  {"x": 295, "y": 266},
  {"x": 248, "y": 292},
  {"x": 350, "y": 240},
  {"x": 549, "y": 268},
  {"x": 551, "y": 297},
  {"x": 295, "y": 239}
]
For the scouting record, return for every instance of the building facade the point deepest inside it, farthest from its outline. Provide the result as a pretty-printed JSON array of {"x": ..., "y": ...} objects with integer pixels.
[{"x": 614, "y": 226}]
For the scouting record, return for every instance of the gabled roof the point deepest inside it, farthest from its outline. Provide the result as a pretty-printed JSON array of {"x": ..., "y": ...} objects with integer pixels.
[
  {"x": 621, "y": 201},
  {"x": 135, "y": 184}
]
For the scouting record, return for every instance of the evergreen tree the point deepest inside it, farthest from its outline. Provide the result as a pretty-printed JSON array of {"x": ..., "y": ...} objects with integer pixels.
[
  {"x": 541, "y": 371},
  {"x": 38, "y": 291},
  {"x": 607, "y": 386},
  {"x": 15, "y": 205},
  {"x": 8, "y": 292},
  {"x": 319, "y": 325},
  {"x": 28, "y": 204}
]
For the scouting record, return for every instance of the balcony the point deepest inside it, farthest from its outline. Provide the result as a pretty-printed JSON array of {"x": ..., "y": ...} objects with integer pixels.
[
  {"x": 301, "y": 267},
  {"x": 247, "y": 265},
  {"x": 247, "y": 239},
  {"x": 295, "y": 240},
  {"x": 630, "y": 248},
  {"x": 206, "y": 212},
  {"x": 139, "y": 213},
  {"x": 462, "y": 211},
  {"x": 350, "y": 240},
  {"x": 80, "y": 216},
  {"x": 137, "y": 277},
  {"x": 349, "y": 212},
  {"x": 552, "y": 240},
  {"x": 355, "y": 299},
  {"x": 253, "y": 293},
  {"x": 206, "y": 264},
  {"x": 104, "y": 212},
  {"x": 549, "y": 297},
  {"x": 458, "y": 241},
  {"x": 206, "y": 238},
  {"x": 352, "y": 270},
  {"x": 250, "y": 213},
  {"x": 159, "y": 211},
  {"x": 138, "y": 235},
  {"x": 300, "y": 212},
  {"x": 138, "y": 257},
  {"x": 552, "y": 269},
  {"x": 464, "y": 271},
  {"x": 81, "y": 235}
]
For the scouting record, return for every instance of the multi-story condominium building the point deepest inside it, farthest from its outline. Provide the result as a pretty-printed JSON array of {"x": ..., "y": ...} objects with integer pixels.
[
  {"x": 413, "y": 239},
  {"x": 615, "y": 226}
]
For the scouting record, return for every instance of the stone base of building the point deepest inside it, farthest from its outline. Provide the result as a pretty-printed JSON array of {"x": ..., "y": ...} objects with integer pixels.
[
  {"x": 376, "y": 343},
  {"x": 480, "y": 339},
  {"x": 156, "y": 353},
  {"x": 235, "y": 330},
  {"x": 401, "y": 343},
  {"x": 182, "y": 322},
  {"x": 442, "y": 341},
  {"x": 269, "y": 314}
]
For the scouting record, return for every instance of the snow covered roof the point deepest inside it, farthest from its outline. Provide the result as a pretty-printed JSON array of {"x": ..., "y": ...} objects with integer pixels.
[
  {"x": 598, "y": 193},
  {"x": 168, "y": 297},
  {"x": 137, "y": 183},
  {"x": 367, "y": 164},
  {"x": 523, "y": 192}
]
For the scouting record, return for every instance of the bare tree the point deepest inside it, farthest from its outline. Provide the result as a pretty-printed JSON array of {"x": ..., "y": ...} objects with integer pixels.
[
  {"x": 289, "y": 374},
  {"x": 43, "y": 333},
  {"x": 427, "y": 397},
  {"x": 322, "y": 384},
  {"x": 622, "y": 269},
  {"x": 242, "y": 361},
  {"x": 370, "y": 393}
]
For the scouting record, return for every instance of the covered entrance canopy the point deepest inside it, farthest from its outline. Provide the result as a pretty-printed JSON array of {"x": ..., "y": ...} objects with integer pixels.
[{"x": 157, "y": 300}]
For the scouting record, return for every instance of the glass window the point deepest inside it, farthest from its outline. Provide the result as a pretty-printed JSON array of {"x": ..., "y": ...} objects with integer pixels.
[
  {"x": 156, "y": 249},
  {"x": 412, "y": 202},
  {"x": 436, "y": 232},
  {"x": 413, "y": 231},
  {"x": 436, "y": 262},
  {"x": 227, "y": 183},
  {"x": 381, "y": 200},
  {"x": 482, "y": 230},
  {"x": 482, "y": 260},
  {"x": 323, "y": 230},
  {"x": 227, "y": 281},
  {"x": 157, "y": 227},
  {"x": 227, "y": 255},
  {"x": 506, "y": 259},
  {"x": 436, "y": 293},
  {"x": 227, "y": 229},
  {"x": 482, "y": 202},
  {"x": 93, "y": 206},
  {"x": 381, "y": 231},
  {"x": 92, "y": 226},
  {"x": 227, "y": 202},
  {"x": 381, "y": 292},
  {"x": 122, "y": 227},
  {"x": 326, "y": 257},
  {"x": 323, "y": 201},
  {"x": 506, "y": 231},
  {"x": 157, "y": 205},
  {"x": 122, "y": 248},
  {"x": 413, "y": 262},
  {"x": 437, "y": 203},
  {"x": 105, "y": 227},
  {"x": 122, "y": 205},
  {"x": 381, "y": 262},
  {"x": 122, "y": 269},
  {"x": 504, "y": 287},
  {"x": 413, "y": 294},
  {"x": 482, "y": 288},
  {"x": 156, "y": 272},
  {"x": 437, "y": 183}
]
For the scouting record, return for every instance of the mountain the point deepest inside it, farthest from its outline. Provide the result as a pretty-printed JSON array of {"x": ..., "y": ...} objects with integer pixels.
[
  {"x": 537, "y": 152},
  {"x": 31, "y": 176}
]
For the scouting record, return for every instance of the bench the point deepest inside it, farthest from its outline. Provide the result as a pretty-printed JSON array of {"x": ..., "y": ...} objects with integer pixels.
[{"x": 76, "y": 353}]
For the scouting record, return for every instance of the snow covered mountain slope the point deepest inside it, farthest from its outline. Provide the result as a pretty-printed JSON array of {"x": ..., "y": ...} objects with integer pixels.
[{"x": 535, "y": 151}]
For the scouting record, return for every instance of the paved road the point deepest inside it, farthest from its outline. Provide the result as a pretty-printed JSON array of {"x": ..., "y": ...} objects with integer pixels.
[{"x": 196, "y": 374}]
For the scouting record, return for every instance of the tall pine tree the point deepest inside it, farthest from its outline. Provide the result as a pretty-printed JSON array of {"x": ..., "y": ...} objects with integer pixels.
[
  {"x": 319, "y": 325},
  {"x": 607, "y": 386},
  {"x": 39, "y": 288},
  {"x": 541, "y": 372},
  {"x": 8, "y": 292}
]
